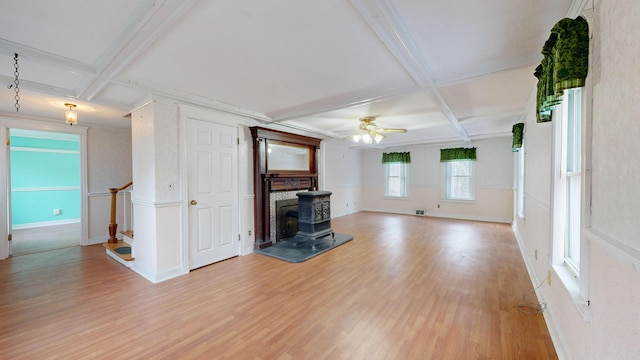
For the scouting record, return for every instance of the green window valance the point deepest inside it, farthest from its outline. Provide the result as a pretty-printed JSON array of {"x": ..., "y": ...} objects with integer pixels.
[
  {"x": 396, "y": 157},
  {"x": 517, "y": 130},
  {"x": 564, "y": 65},
  {"x": 456, "y": 154}
]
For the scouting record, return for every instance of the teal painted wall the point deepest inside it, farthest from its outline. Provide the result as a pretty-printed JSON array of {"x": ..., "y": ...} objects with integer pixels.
[{"x": 45, "y": 175}]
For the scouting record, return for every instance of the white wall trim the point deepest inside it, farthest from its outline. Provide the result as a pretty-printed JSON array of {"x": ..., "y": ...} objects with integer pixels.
[
  {"x": 105, "y": 194},
  {"x": 556, "y": 337},
  {"x": 444, "y": 216},
  {"x": 61, "y": 188},
  {"x": 45, "y": 223},
  {"x": 39, "y": 150},
  {"x": 544, "y": 205},
  {"x": 157, "y": 277},
  {"x": 154, "y": 204},
  {"x": 615, "y": 247}
]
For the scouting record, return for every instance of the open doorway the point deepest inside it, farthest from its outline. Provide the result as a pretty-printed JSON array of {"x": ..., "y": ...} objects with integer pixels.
[{"x": 45, "y": 191}]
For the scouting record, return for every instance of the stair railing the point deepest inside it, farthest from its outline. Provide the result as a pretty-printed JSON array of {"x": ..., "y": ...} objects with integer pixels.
[{"x": 113, "y": 227}]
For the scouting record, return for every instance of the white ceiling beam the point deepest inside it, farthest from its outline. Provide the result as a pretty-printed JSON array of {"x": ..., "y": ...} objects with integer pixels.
[
  {"x": 494, "y": 116},
  {"x": 341, "y": 102},
  {"x": 155, "y": 17},
  {"x": 193, "y": 99},
  {"x": 384, "y": 20},
  {"x": 481, "y": 72},
  {"x": 42, "y": 57},
  {"x": 39, "y": 87},
  {"x": 388, "y": 26}
]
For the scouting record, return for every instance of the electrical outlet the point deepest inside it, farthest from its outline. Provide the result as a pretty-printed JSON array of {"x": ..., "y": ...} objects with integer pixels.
[
  {"x": 535, "y": 254},
  {"x": 249, "y": 232},
  {"x": 549, "y": 277}
]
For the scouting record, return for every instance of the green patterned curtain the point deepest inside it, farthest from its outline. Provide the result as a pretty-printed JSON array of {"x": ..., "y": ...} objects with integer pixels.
[
  {"x": 517, "y": 131},
  {"x": 564, "y": 65},
  {"x": 396, "y": 157},
  {"x": 542, "y": 114},
  {"x": 457, "y": 154}
]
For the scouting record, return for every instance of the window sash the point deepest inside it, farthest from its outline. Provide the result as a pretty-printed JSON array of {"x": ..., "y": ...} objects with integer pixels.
[
  {"x": 573, "y": 182},
  {"x": 396, "y": 180},
  {"x": 458, "y": 180},
  {"x": 521, "y": 181}
]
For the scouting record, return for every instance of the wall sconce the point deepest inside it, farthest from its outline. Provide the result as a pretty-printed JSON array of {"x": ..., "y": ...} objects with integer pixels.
[{"x": 71, "y": 115}]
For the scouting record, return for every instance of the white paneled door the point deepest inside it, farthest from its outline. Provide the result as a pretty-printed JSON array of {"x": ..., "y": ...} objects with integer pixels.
[{"x": 212, "y": 155}]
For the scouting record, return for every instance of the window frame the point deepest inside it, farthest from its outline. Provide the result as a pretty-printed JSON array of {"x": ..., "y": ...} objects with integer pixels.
[
  {"x": 520, "y": 182},
  {"x": 570, "y": 168},
  {"x": 403, "y": 180},
  {"x": 447, "y": 177}
]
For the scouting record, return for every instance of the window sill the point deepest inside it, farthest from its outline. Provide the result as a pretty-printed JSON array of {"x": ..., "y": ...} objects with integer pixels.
[
  {"x": 387, "y": 197},
  {"x": 459, "y": 201},
  {"x": 571, "y": 284}
]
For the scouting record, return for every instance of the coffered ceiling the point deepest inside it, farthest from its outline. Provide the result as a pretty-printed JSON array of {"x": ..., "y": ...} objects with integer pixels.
[{"x": 444, "y": 70}]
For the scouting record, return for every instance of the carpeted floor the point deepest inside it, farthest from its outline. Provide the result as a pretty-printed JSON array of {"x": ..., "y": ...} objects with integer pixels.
[{"x": 293, "y": 251}]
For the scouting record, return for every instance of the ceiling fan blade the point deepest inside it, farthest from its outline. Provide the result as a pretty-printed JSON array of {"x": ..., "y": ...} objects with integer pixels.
[{"x": 392, "y": 130}]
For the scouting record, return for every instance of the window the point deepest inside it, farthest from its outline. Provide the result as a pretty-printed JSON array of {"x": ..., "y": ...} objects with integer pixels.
[
  {"x": 458, "y": 180},
  {"x": 520, "y": 179},
  {"x": 573, "y": 165},
  {"x": 569, "y": 254},
  {"x": 396, "y": 175},
  {"x": 568, "y": 185}
]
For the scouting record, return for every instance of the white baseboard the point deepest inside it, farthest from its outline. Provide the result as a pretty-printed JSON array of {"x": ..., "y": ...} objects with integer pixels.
[
  {"x": 446, "y": 216},
  {"x": 44, "y": 224},
  {"x": 549, "y": 319},
  {"x": 156, "y": 277}
]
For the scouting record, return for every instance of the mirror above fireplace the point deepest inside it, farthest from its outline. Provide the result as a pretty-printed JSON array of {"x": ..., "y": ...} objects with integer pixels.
[{"x": 287, "y": 157}]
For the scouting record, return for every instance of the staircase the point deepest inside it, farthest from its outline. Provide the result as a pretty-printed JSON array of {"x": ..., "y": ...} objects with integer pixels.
[
  {"x": 119, "y": 250},
  {"x": 122, "y": 250}
]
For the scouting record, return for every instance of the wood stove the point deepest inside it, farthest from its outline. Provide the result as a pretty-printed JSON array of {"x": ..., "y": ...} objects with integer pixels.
[{"x": 314, "y": 216}]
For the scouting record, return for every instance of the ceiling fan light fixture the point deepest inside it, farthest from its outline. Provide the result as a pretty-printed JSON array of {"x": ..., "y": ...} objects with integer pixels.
[{"x": 368, "y": 132}]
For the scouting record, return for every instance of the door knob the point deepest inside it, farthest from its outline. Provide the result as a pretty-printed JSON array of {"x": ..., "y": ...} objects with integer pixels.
[{"x": 193, "y": 202}]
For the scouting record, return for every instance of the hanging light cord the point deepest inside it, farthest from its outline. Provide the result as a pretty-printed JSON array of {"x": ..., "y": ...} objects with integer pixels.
[{"x": 17, "y": 83}]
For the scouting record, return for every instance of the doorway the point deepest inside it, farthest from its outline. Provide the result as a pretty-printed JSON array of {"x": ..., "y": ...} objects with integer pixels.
[
  {"x": 213, "y": 230},
  {"x": 44, "y": 202}
]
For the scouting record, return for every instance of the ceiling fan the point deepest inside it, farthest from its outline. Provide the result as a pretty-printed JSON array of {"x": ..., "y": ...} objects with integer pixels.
[{"x": 369, "y": 132}]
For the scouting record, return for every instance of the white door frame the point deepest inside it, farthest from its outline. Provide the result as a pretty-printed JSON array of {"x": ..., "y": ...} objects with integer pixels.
[
  {"x": 37, "y": 125},
  {"x": 217, "y": 117}
]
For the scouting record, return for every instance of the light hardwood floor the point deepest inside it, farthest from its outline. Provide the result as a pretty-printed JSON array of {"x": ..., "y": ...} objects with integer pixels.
[
  {"x": 46, "y": 238},
  {"x": 405, "y": 288}
]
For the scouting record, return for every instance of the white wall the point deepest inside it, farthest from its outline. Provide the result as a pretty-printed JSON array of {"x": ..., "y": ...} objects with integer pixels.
[
  {"x": 614, "y": 244},
  {"x": 342, "y": 176},
  {"x": 493, "y": 174},
  {"x": 109, "y": 166},
  {"x": 157, "y": 247}
]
